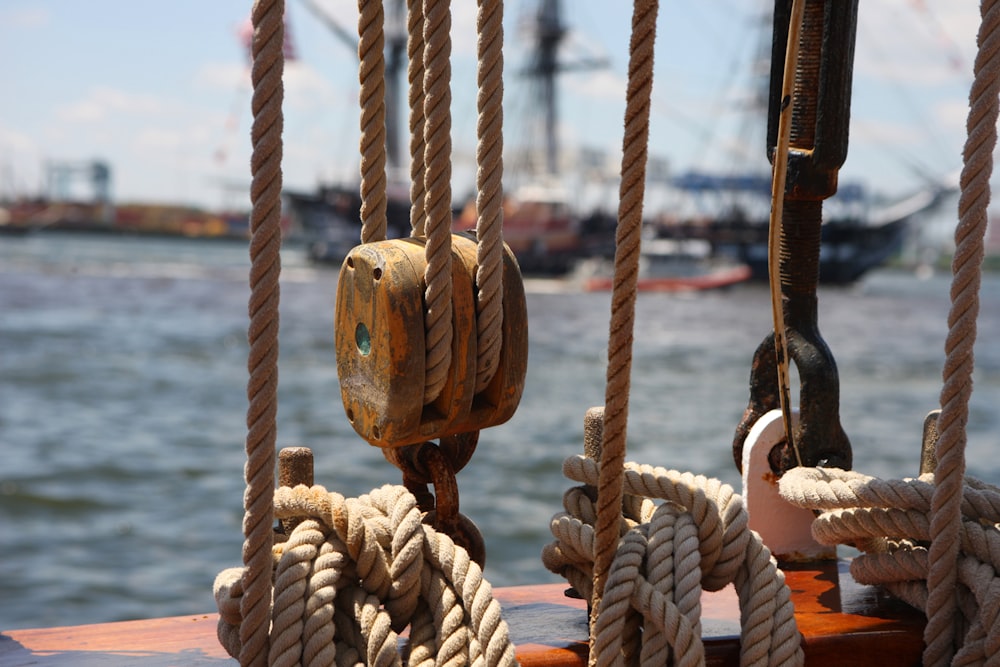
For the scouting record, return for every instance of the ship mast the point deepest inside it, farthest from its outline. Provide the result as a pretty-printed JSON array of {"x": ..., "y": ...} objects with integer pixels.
[
  {"x": 395, "y": 64},
  {"x": 544, "y": 66}
]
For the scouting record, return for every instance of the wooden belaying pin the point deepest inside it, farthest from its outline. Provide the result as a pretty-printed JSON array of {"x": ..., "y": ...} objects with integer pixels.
[
  {"x": 928, "y": 450},
  {"x": 295, "y": 467}
]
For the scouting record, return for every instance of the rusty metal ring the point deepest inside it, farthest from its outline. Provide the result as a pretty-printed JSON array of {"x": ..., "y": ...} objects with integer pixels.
[
  {"x": 459, "y": 448},
  {"x": 819, "y": 435},
  {"x": 413, "y": 460},
  {"x": 445, "y": 486}
]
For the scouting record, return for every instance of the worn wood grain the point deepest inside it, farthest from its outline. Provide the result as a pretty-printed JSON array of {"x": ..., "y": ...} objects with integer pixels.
[{"x": 841, "y": 622}]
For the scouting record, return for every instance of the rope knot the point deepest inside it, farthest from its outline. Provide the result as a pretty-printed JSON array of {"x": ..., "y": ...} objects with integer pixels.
[
  {"x": 354, "y": 572},
  {"x": 889, "y": 520},
  {"x": 680, "y": 533}
]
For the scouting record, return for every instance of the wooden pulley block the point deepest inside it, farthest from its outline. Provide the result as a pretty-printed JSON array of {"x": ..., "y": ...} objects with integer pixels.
[{"x": 381, "y": 345}]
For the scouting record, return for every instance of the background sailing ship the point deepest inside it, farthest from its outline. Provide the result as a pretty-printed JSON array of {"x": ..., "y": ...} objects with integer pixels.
[
  {"x": 103, "y": 317},
  {"x": 552, "y": 221},
  {"x": 560, "y": 190}
]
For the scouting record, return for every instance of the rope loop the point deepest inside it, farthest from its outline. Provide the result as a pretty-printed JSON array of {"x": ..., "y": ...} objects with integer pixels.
[
  {"x": 890, "y": 521},
  {"x": 678, "y": 534},
  {"x": 355, "y": 572}
]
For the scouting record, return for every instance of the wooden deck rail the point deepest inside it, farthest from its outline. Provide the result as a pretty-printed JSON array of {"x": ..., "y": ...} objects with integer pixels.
[{"x": 842, "y": 622}]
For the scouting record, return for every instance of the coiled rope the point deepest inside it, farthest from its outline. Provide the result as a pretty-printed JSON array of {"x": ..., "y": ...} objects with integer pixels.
[
  {"x": 892, "y": 521},
  {"x": 697, "y": 539},
  {"x": 355, "y": 572},
  {"x": 954, "y": 578}
]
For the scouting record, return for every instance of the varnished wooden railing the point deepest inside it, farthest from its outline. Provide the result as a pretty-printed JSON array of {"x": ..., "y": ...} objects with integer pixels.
[{"x": 841, "y": 623}]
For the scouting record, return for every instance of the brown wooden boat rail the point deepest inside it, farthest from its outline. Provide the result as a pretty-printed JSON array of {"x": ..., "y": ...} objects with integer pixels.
[{"x": 841, "y": 621}]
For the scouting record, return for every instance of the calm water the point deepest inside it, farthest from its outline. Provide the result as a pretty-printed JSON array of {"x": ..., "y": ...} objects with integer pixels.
[{"x": 122, "y": 410}]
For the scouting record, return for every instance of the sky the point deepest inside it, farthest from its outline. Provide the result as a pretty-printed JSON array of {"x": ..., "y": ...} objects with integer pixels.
[{"x": 161, "y": 92}]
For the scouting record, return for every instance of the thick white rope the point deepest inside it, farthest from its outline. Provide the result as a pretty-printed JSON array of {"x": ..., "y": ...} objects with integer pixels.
[
  {"x": 623, "y": 294},
  {"x": 891, "y": 521},
  {"x": 415, "y": 76},
  {"x": 354, "y": 573},
  {"x": 697, "y": 539},
  {"x": 935, "y": 542},
  {"x": 437, "y": 195}
]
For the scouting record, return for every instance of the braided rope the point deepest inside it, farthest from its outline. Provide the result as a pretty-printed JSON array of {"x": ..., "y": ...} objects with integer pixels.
[
  {"x": 632, "y": 190},
  {"x": 954, "y": 578},
  {"x": 939, "y": 635},
  {"x": 262, "y": 362},
  {"x": 371, "y": 76},
  {"x": 698, "y": 539},
  {"x": 354, "y": 573},
  {"x": 437, "y": 182},
  {"x": 891, "y": 521},
  {"x": 415, "y": 76},
  {"x": 489, "y": 188}
]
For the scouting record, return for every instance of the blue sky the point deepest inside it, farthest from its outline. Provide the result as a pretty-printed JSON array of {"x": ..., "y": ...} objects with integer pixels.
[{"x": 161, "y": 91}]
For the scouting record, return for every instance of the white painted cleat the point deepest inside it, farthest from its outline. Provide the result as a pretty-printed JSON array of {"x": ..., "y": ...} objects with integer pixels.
[{"x": 784, "y": 528}]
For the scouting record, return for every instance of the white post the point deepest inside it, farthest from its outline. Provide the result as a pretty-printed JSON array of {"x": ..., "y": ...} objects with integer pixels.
[{"x": 784, "y": 528}]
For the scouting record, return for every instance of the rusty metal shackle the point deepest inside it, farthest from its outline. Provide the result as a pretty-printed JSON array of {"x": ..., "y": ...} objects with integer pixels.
[
  {"x": 819, "y": 133},
  {"x": 436, "y": 465}
]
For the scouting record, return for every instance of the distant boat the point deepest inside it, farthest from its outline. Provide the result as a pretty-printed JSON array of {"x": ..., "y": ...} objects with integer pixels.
[
  {"x": 541, "y": 227},
  {"x": 547, "y": 231},
  {"x": 328, "y": 220},
  {"x": 856, "y": 235},
  {"x": 668, "y": 265}
]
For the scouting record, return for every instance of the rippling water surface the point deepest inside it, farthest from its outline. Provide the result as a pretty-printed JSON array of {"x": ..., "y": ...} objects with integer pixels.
[{"x": 123, "y": 402}]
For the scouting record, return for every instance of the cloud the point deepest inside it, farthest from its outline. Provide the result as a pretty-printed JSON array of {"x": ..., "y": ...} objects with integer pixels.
[
  {"x": 102, "y": 102},
  {"x": 24, "y": 17},
  {"x": 224, "y": 75},
  {"x": 601, "y": 84},
  {"x": 306, "y": 89},
  {"x": 926, "y": 46},
  {"x": 155, "y": 139},
  {"x": 15, "y": 141}
]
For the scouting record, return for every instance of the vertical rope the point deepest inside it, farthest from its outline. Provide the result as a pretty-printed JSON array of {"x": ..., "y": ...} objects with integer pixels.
[
  {"x": 262, "y": 362},
  {"x": 437, "y": 154},
  {"x": 415, "y": 75},
  {"x": 609, "y": 493},
  {"x": 371, "y": 75},
  {"x": 489, "y": 189},
  {"x": 942, "y": 604}
]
